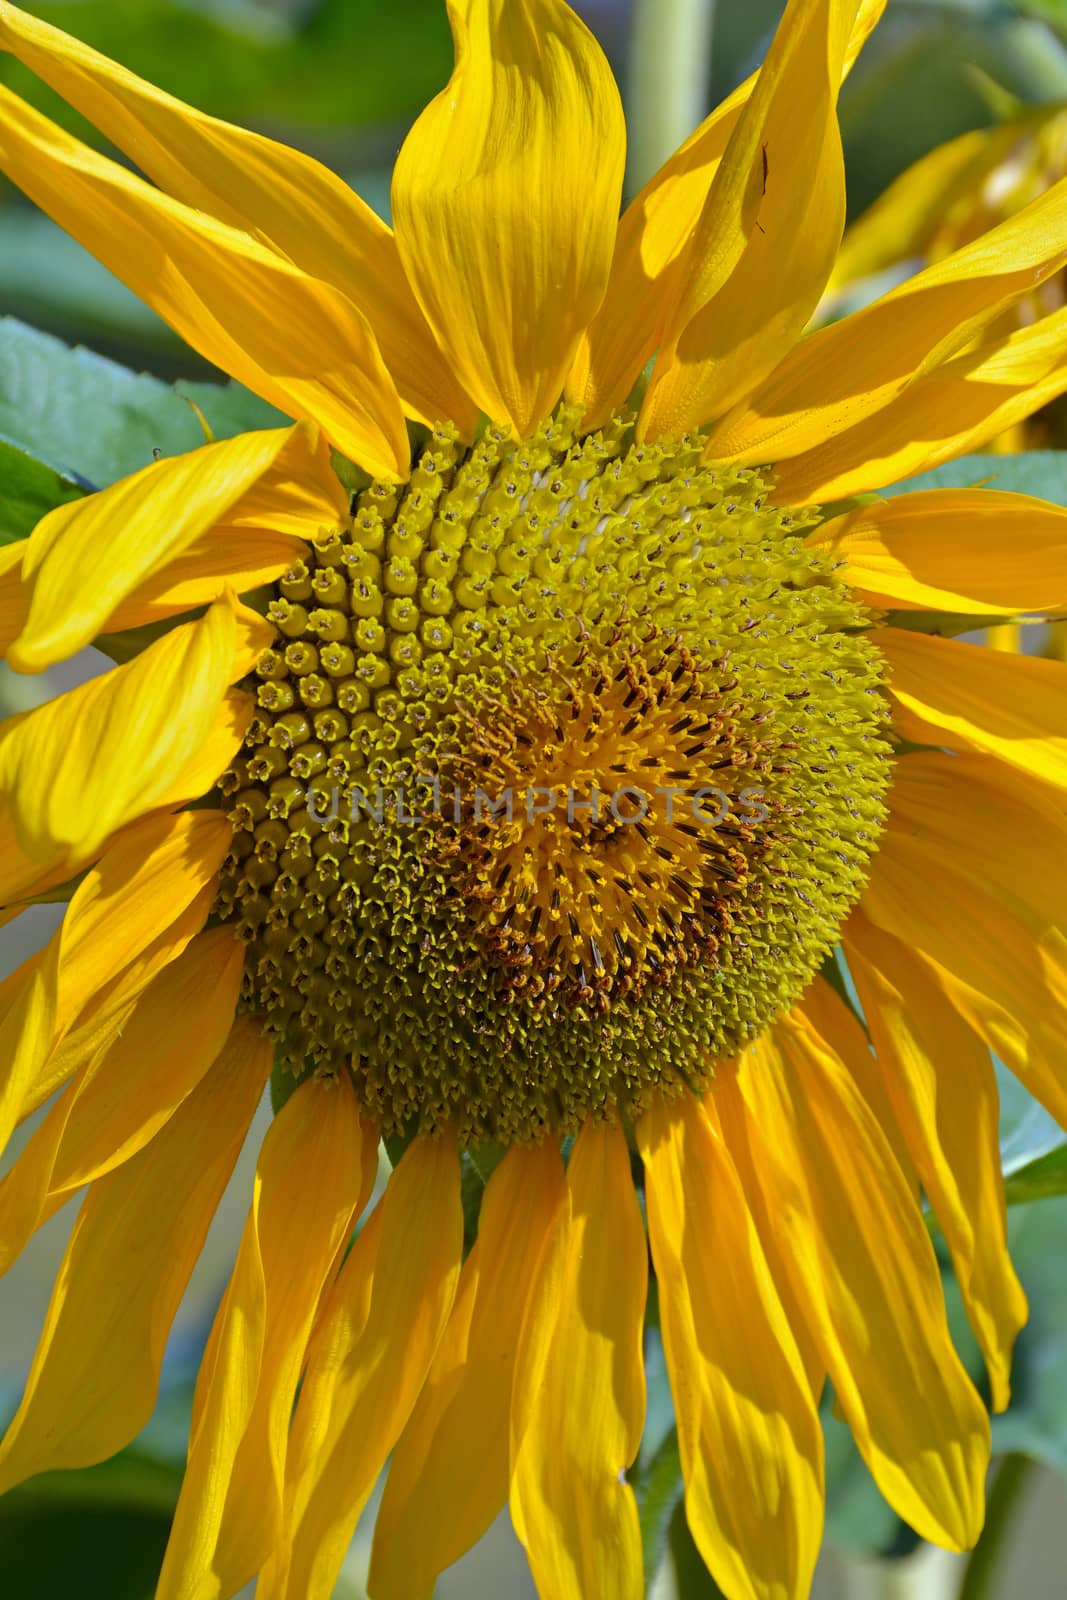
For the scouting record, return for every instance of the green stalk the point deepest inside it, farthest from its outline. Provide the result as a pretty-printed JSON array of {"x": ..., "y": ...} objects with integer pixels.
[
  {"x": 981, "y": 1574},
  {"x": 668, "y": 81}
]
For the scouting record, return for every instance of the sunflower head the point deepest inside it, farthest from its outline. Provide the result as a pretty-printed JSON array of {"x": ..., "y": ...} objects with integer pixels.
[{"x": 566, "y": 767}]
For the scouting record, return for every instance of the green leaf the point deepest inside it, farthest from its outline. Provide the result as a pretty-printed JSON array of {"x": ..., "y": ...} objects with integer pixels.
[
  {"x": 658, "y": 1488},
  {"x": 1027, "y": 1130},
  {"x": 1036, "y": 472},
  {"x": 692, "y": 1580},
  {"x": 1036, "y": 1421},
  {"x": 1033, "y": 1148},
  {"x": 1040, "y": 1180},
  {"x": 656, "y": 1475},
  {"x": 345, "y": 63},
  {"x": 858, "y": 1518},
  {"x": 92, "y": 419},
  {"x": 28, "y": 488},
  {"x": 99, "y": 1533}
]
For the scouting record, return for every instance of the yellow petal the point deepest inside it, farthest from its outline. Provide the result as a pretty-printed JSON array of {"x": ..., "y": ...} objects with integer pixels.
[
  {"x": 367, "y": 1362},
  {"x": 147, "y": 876},
  {"x": 449, "y": 1474},
  {"x": 748, "y": 1432},
  {"x": 21, "y": 877},
  {"x": 83, "y": 559},
  {"x": 844, "y": 373},
  {"x": 92, "y": 1386},
  {"x": 107, "y": 1011},
  {"x": 280, "y": 195},
  {"x": 124, "y": 1094},
  {"x": 767, "y": 241},
  {"x": 864, "y": 1270},
  {"x": 653, "y": 251},
  {"x": 571, "y": 1505},
  {"x": 237, "y": 558},
  {"x": 978, "y": 550},
  {"x": 940, "y": 1079},
  {"x": 220, "y": 744},
  {"x": 233, "y": 299},
  {"x": 971, "y": 875},
  {"x": 14, "y": 595},
  {"x": 76, "y": 769},
  {"x": 506, "y": 197},
  {"x": 27, "y": 1024},
  {"x": 944, "y": 413},
  {"x": 307, "y": 1181},
  {"x": 1011, "y": 707}
]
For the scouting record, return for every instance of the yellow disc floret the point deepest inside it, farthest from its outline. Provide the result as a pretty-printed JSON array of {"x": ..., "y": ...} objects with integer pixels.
[{"x": 567, "y": 765}]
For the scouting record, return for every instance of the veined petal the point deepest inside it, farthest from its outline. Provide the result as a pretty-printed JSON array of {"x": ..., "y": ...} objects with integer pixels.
[
  {"x": 221, "y": 743},
  {"x": 842, "y": 374},
  {"x": 93, "y": 1383},
  {"x": 748, "y": 1432},
  {"x": 865, "y": 1272},
  {"x": 505, "y": 200},
  {"x": 1009, "y": 706},
  {"x": 83, "y": 559},
  {"x": 307, "y": 1181},
  {"x": 237, "y": 558},
  {"x": 146, "y": 877},
  {"x": 233, "y": 299},
  {"x": 126, "y": 1092},
  {"x": 449, "y": 1474},
  {"x": 942, "y": 414},
  {"x": 21, "y": 877},
  {"x": 979, "y": 550},
  {"x": 725, "y": 338},
  {"x": 970, "y": 875},
  {"x": 106, "y": 1013},
  {"x": 653, "y": 251},
  {"x": 76, "y": 769},
  {"x": 254, "y": 635},
  {"x": 939, "y": 1076},
  {"x": 278, "y": 194},
  {"x": 367, "y": 1362},
  {"x": 26, "y": 1028},
  {"x": 573, "y": 1510}
]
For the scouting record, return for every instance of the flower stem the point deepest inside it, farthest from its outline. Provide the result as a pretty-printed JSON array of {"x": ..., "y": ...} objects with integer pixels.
[
  {"x": 668, "y": 79},
  {"x": 981, "y": 1571}
]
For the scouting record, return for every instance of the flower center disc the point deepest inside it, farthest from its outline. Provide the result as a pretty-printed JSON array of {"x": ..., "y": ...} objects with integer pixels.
[{"x": 567, "y": 766}]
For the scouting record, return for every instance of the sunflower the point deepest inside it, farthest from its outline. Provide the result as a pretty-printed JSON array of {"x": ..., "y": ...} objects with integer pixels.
[{"x": 526, "y": 812}]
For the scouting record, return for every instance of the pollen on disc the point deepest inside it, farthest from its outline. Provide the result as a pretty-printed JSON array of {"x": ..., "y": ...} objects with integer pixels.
[{"x": 567, "y": 765}]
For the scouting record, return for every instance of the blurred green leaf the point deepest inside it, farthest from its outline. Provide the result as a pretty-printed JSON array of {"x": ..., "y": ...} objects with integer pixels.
[
  {"x": 1027, "y": 1130},
  {"x": 98, "y": 1533},
  {"x": 658, "y": 1488},
  {"x": 1033, "y": 1148},
  {"x": 48, "y": 279},
  {"x": 338, "y": 63},
  {"x": 914, "y": 85},
  {"x": 1037, "y": 472},
  {"x": 1040, "y": 1180},
  {"x": 692, "y": 1580},
  {"x": 656, "y": 1475},
  {"x": 91, "y": 419},
  {"x": 858, "y": 1518},
  {"x": 28, "y": 488},
  {"x": 1035, "y": 1423}
]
